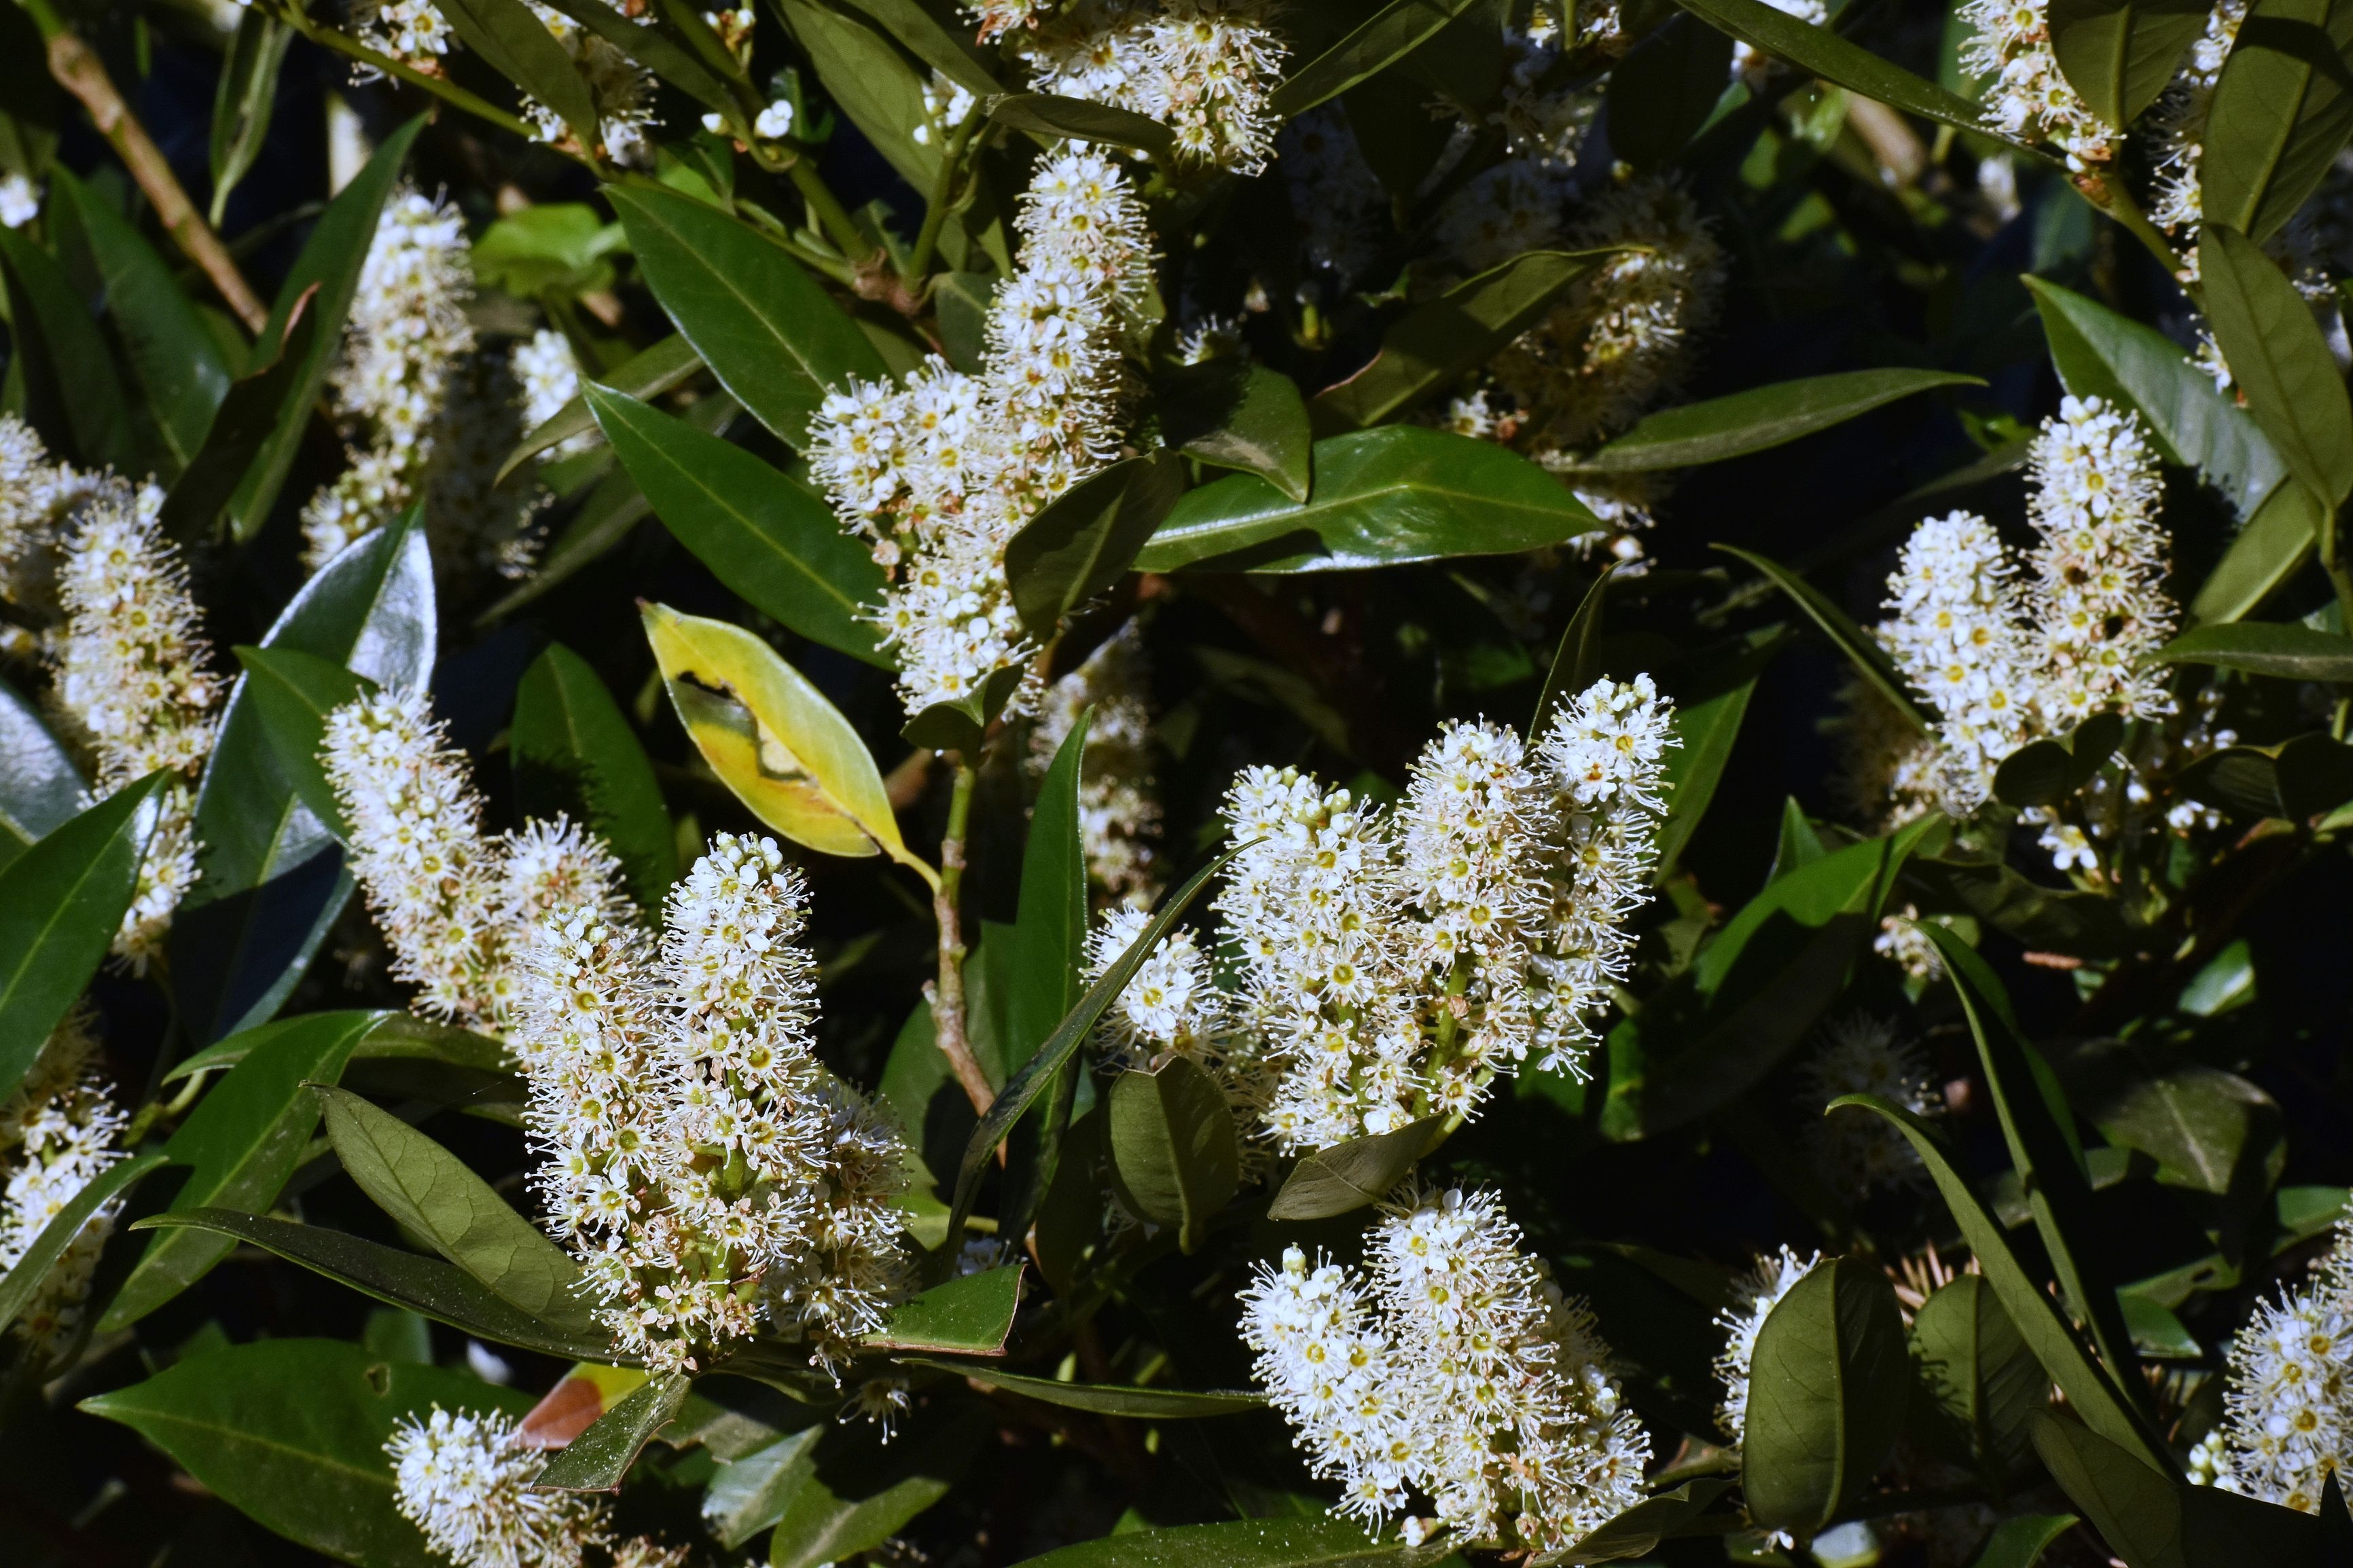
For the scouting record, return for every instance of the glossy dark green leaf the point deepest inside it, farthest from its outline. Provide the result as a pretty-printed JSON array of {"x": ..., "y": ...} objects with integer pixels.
[
  {"x": 645, "y": 376},
  {"x": 2279, "y": 359},
  {"x": 651, "y": 48},
  {"x": 2208, "y": 1130},
  {"x": 1706, "y": 729},
  {"x": 1104, "y": 1398},
  {"x": 2086, "y": 925},
  {"x": 2020, "y": 1542},
  {"x": 1383, "y": 498},
  {"x": 1317, "y": 1540},
  {"x": 292, "y": 1433},
  {"x": 849, "y": 1492},
  {"x": 293, "y": 693},
  {"x": 57, "y": 337},
  {"x": 41, "y": 787},
  {"x": 871, "y": 81},
  {"x": 2273, "y": 547},
  {"x": 599, "y": 1459},
  {"x": 939, "y": 36},
  {"x": 1018, "y": 1094},
  {"x": 773, "y": 337},
  {"x": 330, "y": 262},
  {"x": 1175, "y": 1147},
  {"x": 1837, "y": 61},
  {"x": 2153, "y": 1520},
  {"x": 1979, "y": 1382},
  {"x": 1347, "y": 1176},
  {"x": 430, "y": 1193},
  {"x": 60, "y": 903},
  {"x": 243, "y": 100},
  {"x": 1826, "y": 1396},
  {"x": 2285, "y": 651},
  {"x": 963, "y": 725},
  {"x": 175, "y": 358},
  {"x": 1760, "y": 418},
  {"x": 1087, "y": 537},
  {"x": 273, "y": 873},
  {"x": 1237, "y": 414},
  {"x": 2281, "y": 111},
  {"x": 1637, "y": 1531},
  {"x": 23, "y": 1278},
  {"x": 1576, "y": 660},
  {"x": 240, "y": 1143},
  {"x": 398, "y": 1035},
  {"x": 247, "y": 419},
  {"x": 969, "y": 1315},
  {"x": 574, "y": 751},
  {"x": 1078, "y": 119},
  {"x": 1049, "y": 930},
  {"x": 1390, "y": 33},
  {"x": 2046, "y": 771},
  {"x": 962, "y": 300},
  {"x": 426, "y": 1286},
  {"x": 2119, "y": 55},
  {"x": 518, "y": 46},
  {"x": 1862, "y": 650},
  {"x": 1662, "y": 91},
  {"x": 1432, "y": 347}
]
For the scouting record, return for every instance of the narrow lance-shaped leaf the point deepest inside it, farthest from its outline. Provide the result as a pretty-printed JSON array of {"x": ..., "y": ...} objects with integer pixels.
[
  {"x": 23, "y": 1281},
  {"x": 245, "y": 420},
  {"x": 1087, "y": 537},
  {"x": 40, "y": 786},
  {"x": 1576, "y": 660},
  {"x": 969, "y": 1315},
  {"x": 574, "y": 751},
  {"x": 599, "y": 1459},
  {"x": 1390, "y": 33},
  {"x": 1079, "y": 119},
  {"x": 1105, "y": 1399},
  {"x": 59, "y": 344},
  {"x": 1760, "y": 418},
  {"x": 1870, "y": 660},
  {"x": 517, "y": 44},
  {"x": 2285, "y": 651},
  {"x": 292, "y": 693},
  {"x": 2277, "y": 354},
  {"x": 1348, "y": 1176},
  {"x": 243, "y": 102},
  {"x": 1237, "y": 414},
  {"x": 645, "y": 376}
]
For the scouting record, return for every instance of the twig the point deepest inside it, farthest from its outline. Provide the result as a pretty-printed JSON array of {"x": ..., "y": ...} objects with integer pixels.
[{"x": 947, "y": 994}]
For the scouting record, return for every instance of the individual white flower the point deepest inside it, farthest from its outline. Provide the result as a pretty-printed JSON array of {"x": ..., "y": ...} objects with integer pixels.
[
  {"x": 1456, "y": 1370},
  {"x": 2029, "y": 97},
  {"x": 463, "y": 1477},
  {"x": 411, "y": 31},
  {"x": 947, "y": 104},
  {"x": 2071, "y": 848},
  {"x": 20, "y": 200},
  {"x": 59, "y": 1131},
  {"x": 1754, "y": 1296},
  {"x": 1856, "y": 1151},
  {"x": 1903, "y": 941},
  {"x": 2097, "y": 597},
  {"x": 776, "y": 121},
  {"x": 130, "y": 664},
  {"x": 1205, "y": 69},
  {"x": 1119, "y": 809}
]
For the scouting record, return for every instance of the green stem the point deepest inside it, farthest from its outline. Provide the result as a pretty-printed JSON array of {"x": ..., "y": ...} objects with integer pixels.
[
  {"x": 947, "y": 993},
  {"x": 832, "y": 217},
  {"x": 448, "y": 92},
  {"x": 935, "y": 211}
]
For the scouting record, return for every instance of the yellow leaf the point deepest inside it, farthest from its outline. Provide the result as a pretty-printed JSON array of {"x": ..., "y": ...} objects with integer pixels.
[{"x": 774, "y": 738}]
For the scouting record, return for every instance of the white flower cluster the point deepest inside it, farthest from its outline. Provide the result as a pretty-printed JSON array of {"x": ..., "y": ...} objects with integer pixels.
[
  {"x": 2288, "y": 1405},
  {"x": 1521, "y": 203},
  {"x": 415, "y": 33},
  {"x": 129, "y": 670},
  {"x": 483, "y": 530},
  {"x": 547, "y": 376},
  {"x": 1754, "y": 1296},
  {"x": 2179, "y": 121},
  {"x": 708, "y": 1172},
  {"x": 58, "y": 1132},
  {"x": 1855, "y": 1151},
  {"x": 2001, "y": 660},
  {"x": 941, "y": 473},
  {"x": 2029, "y": 97},
  {"x": 402, "y": 340},
  {"x": 464, "y": 1479},
  {"x": 1394, "y": 964},
  {"x": 1119, "y": 812},
  {"x": 1456, "y": 1370},
  {"x": 453, "y": 902},
  {"x": 1204, "y": 69},
  {"x": 38, "y": 501}
]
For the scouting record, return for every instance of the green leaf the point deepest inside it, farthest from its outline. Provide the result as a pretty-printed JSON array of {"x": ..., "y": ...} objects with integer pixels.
[
  {"x": 426, "y": 1286},
  {"x": 1575, "y": 661},
  {"x": 2155, "y": 1520},
  {"x": 551, "y": 248},
  {"x": 2281, "y": 111},
  {"x": 273, "y": 873},
  {"x": 849, "y": 1492},
  {"x": 1104, "y": 1398},
  {"x": 1862, "y": 650},
  {"x": 2100, "y": 353},
  {"x": 872, "y": 80},
  {"x": 1087, "y": 537},
  {"x": 1076, "y": 1027},
  {"x": 242, "y": 1141},
  {"x": 1348, "y": 1176},
  {"x": 2278, "y": 357},
  {"x": 2019, "y": 1541},
  {"x": 1663, "y": 91},
  {"x": 1435, "y": 344},
  {"x": 2088, "y": 925},
  {"x": 292, "y": 1433},
  {"x": 2087, "y": 1387},
  {"x": 1237, "y": 414},
  {"x": 938, "y": 36},
  {"x": 1706, "y": 728},
  {"x": 2273, "y": 547},
  {"x": 2119, "y": 55},
  {"x": 1760, "y": 418},
  {"x": 599, "y": 1459},
  {"x": 1390, "y": 33},
  {"x": 2208, "y": 1130},
  {"x": 644, "y": 375},
  {"x": 1049, "y": 958},
  {"x": 1318, "y": 1541},
  {"x": 430, "y": 1193},
  {"x": 248, "y": 417},
  {"x": 243, "y": 100},
  {"x": 1174, "y": 1147},
  {"x": 749, "y": 1494},
  {"x": 651, "y": 47},
  {"x": 963, "y": 725},
  {"x": 2046, "y": 771},
  {"x": 1979, "y": 1382},
  {"x": 1825, "y": 1396},
  {"x": 177, "y": 359},
  {"x": 1078, "y": 119},
  {"x": 293, "y": 693},
  {"x": 23, "y": 1278},
  {"x": 1384, "y": 497},
  {"x": 60, "y": 903},
  {"x": 773, "y": 337},
  {"x": 1839, "y": 62},
  {"x": 401, "y": 1036},
  {"x": 517, "y": 44},
  {"x": 1637, "y": 1531},
  {"x": 2285, "y": 651},
  {"x": 41, "y": 787},
  {"x": 772, "y": 542},
  {"x": 574, "y": 751},
  {"x": 56, "y": 338},
  {"x": 969, "y": 1315},
  {"x": 330, "y": 262}
]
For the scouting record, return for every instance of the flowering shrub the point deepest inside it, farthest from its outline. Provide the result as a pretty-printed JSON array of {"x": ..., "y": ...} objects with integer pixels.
[{"x": 1157, "y": 784}]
